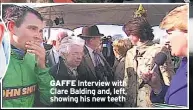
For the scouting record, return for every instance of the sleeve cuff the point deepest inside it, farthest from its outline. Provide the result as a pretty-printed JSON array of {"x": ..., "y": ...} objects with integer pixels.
[
  {"x": 41, "y": 71},
  {"x": 159, "y": 98}
]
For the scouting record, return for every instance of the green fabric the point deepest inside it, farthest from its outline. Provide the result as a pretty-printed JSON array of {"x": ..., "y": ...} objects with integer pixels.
[{"x": 21, "y": 78}]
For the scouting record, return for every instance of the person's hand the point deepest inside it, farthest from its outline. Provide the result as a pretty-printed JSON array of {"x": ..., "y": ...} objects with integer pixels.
[
  {"x": 38, "y": 50},
  {"x": 153, "y": 79}
]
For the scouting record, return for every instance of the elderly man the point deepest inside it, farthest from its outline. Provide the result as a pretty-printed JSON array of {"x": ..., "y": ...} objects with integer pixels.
[
  {"x": 27, "y": 60},
  {"x": 94, "y": 67},
  {"x": 52, "y": 55},
  {"x": 175, "y": 23},
  {"x": 71, "y": 53}
]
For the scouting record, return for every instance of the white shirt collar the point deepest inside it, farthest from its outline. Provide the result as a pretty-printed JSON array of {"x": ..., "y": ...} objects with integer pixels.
[
  {"x": 56, "y": 55},
  {"x": 89, "y": 49},
  {"x": 54, "y": 50}
]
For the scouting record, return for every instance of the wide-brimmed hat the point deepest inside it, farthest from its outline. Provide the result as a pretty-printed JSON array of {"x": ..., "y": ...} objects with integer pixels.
[{"x": 90, "y": 32}]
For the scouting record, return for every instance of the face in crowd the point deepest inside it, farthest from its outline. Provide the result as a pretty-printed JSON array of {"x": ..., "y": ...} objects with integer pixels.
[
  {"x": 176, "y": 25},
  {"x": 71, "y": 50},
  {"x": 74, "y": 56},
  {"x": 177, "y": 41},
  {"x": 59, "y": 38},
  {"x": 96, "y": 42},
  {"x": 29, "y": 30}
]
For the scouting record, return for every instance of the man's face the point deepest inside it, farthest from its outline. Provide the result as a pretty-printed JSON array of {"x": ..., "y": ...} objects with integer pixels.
[
  {"x": 59, "y": 38},
  {"x": 177, "y": 41},
  {"x": 74, "y": 57},
  {"x": 1, "y": 32},
  {"x": 96, "y": 42},
  {"x": 29, "y": 30}
]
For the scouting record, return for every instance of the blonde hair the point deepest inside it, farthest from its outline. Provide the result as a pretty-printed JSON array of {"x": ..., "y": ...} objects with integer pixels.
[
  {"x": 121, "y": 46},
  {"x": 176, "y": 19}
]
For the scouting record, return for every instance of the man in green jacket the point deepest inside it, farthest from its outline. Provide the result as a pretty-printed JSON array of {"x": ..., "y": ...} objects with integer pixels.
[{"x": 27, "y": 72}]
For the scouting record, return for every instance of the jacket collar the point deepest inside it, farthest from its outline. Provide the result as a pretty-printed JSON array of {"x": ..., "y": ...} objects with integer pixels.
[
  {"x": 17, "y": 53},
  {"x": 143, "y": 48}
]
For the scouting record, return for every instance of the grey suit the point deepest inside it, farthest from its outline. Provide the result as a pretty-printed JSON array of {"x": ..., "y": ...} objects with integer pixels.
[
  {"x": 87, "y": 72},
  {"x": 119, "y": 69},
  {"x": 87, "y": 68}
]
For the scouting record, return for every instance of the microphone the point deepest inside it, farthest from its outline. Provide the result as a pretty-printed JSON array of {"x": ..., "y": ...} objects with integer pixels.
[{"x": 159, "y": 60}]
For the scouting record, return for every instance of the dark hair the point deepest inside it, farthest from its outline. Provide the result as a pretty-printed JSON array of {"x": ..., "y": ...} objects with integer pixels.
[
  {"x": 17, "y": 13},
  {"x": 139, "y": 27}
]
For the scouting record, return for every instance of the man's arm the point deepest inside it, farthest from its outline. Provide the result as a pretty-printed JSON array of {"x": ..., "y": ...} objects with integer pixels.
[
  {"x": 42, "y": 72},
  {"x": 44, "y": 87}
]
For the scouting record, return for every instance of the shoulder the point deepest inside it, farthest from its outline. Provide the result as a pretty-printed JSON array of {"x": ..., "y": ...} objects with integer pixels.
[
  {"x": 156, "y": 48},
  {"x": 131, "y": 52},
  {"x": 160, "y": 47}
]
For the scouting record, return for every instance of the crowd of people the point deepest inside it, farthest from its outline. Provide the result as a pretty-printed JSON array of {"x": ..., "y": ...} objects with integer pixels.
[{"x": 88, "y": 57}]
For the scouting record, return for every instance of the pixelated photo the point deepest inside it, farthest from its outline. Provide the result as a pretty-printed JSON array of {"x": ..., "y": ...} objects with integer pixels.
[{"x": 96, "y": 55}]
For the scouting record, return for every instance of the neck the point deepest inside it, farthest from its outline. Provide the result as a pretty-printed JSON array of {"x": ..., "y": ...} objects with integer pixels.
[
  {"x": 141, "y": 43},
  {"x": 12, "y": 41},
  {"x": 68, "y": 64},
  {"x": 119, "y": 57},
  {"x": 185, "y": 52},
  {"x": 185, "y": 49}
]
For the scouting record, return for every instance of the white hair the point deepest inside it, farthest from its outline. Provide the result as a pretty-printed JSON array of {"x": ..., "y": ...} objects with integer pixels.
[{"x": 67, "y": 42}]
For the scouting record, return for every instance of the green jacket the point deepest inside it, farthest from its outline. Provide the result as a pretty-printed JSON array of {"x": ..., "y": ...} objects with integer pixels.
[{"x": 22, "y": 79}]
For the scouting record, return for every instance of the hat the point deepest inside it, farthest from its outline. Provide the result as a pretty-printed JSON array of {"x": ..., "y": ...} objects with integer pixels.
[{"x": 90, "y": 32}]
